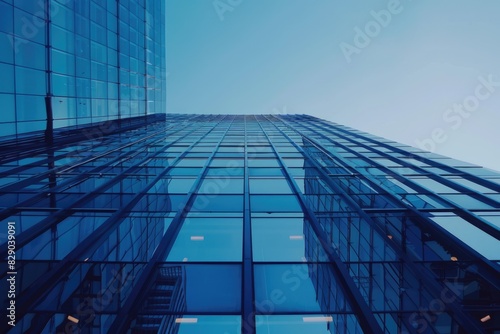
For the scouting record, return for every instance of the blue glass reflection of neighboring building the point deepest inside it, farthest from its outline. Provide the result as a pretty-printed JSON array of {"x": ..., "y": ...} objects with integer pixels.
[{"x": 248, "y": 224}]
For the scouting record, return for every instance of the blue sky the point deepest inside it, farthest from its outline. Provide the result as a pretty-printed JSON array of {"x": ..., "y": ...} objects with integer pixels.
[{"x": 421, "y": 72}]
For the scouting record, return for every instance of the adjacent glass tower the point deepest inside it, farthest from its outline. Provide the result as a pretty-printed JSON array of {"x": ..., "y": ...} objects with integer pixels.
[
  {"x": 249, "y": 224},
  {"x": 70, "y": 64}
]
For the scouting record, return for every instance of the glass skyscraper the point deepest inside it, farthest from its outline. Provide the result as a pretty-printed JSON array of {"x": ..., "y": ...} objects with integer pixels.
[
  {"x": 118, "y": 218},
  {"x": 69, "y": 64},
  {"x": 248, "y": 224}
]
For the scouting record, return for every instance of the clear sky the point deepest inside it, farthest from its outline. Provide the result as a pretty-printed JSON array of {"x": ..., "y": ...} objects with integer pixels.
[{"x": 404, "y": 70}]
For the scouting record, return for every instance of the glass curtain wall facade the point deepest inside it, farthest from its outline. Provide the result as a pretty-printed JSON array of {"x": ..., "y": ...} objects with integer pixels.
[
  {"x": 70, "y": 64},
  {"x": 249, "y": 224}
]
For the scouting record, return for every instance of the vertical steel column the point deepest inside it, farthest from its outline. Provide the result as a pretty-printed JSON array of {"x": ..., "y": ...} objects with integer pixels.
[
  {"x": 248, "y": 315},
  {"x": 118, "y": 63},
  {"x": 49, "y": 128}
]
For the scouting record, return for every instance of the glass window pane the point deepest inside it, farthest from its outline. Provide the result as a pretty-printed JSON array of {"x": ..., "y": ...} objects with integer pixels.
[
  {"x": 295, "y": 287},
  {"x": 30, "y": 108},
  {"x": 294, "y": 162},
  {"x": 228, "y": 163},
  {"x": 7, "y": 82},
  {"x": 221, "y": 185},
  {"x": 269, "y": 185},
  {"x": 176, "y": 185},
  {"x": 218, "y": 203},
  {"x": 225, "y": 172},
  {"x": 265, "y": 171},
  {"x": 6, "y": 23},
  {"x": 274, "y": 203},
  {"x": 195, "y": 324},
  {"x": 177, "y": 171},
  {"x": 477, "y": 239},
  {"x": 466, "y": 201},
  {"x": 208, "y": 239},
  {"x": 263, "y": 163},
  {"x": 308, "y": 324},
  {"x": 285, "y": 239},
  {"x": 8, "y": 108},
  {"x": 26, "y": 55},
  {"x": 211, "y": 287}
]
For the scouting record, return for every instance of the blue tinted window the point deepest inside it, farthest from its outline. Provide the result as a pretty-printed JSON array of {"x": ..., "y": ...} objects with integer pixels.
[
  {"x": 7, "y": 82},
  {"x": 25, "y": 78},
  {"x": 30, "y": 108},
  {"x": 63, "y": 108},
  {"x": 479, "y": 240},
  {"x": 212, "y": 287},
  {"x": 32, "y": 7},
  {"x": 63, "y": 85},
  {"x": 467, "y": 201},
  {"x": 294, "y": 162},
  {"x": 83, "y": 71},
  {"x": 265, "y": 172},
  {"x": 63, "y": 62},
  {"x": 23, "y": 127},
  {"x": 83, "y": 110},
  {"x": 274, "y": 203},
  {"x": 228, "y": 163},
  {"x": 7, "y": 53},
  {"x": 193, "y": 324},
  {"x": 62, "y": 16},
  {"x": 283, "y": 239},
  {"x": 6, "y": 129},
  {"x": 8, "y": 113},
  {"x": 218, "y": 203},
  {"x": 62, "y": 39},
  {"x": 263, "y": 163},
  {"x": 221, "y": 185},
  {"x": 291, "y": 288},
  {"x": 192, "y": 163},
  {"x": 225, "y": 172},
  {"x": 269, "y": 186},
  {"x": 6, "y": 23},
  {"x": 208, "y": 240}
]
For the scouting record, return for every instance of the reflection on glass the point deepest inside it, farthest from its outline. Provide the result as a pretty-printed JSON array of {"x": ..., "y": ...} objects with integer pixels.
[
  {"x": 308, "y": 324},
  {"x": 297, "y": 287},
  {"x": 213, "y": 324},
  {"x": 210, "y": 287},
  {"x": 221, "y": 185},
  {"x": 283, "y": 239},
  {"x": 208, "y": 239},
  {"x": 477, "y": 239},
  {"x": 274, "y": 203},
  {"x": 269, "y": 185},
  {"x": 218, "y": 203}
]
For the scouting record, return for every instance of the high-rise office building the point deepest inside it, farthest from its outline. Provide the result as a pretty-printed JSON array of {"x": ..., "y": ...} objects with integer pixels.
[
  {"x": 248, "y": 224},
  {"x": 116, "y": 220},
  {"x": 69, "y": 64}
]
